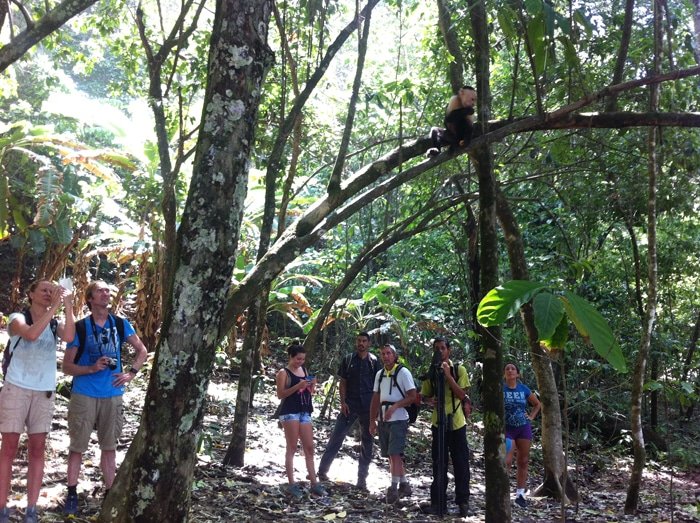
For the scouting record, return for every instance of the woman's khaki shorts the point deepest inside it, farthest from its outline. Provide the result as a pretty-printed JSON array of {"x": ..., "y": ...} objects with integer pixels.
[{"x": 22, "y": 408}]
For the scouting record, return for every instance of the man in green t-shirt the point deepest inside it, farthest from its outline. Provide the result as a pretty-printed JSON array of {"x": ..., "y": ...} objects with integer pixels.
[{"x": 456, "y": 383}]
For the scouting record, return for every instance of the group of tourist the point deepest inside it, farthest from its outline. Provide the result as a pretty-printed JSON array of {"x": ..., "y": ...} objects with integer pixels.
[
  {"x": 92, "y": 357},
  {"x": 378, "y": 392}
]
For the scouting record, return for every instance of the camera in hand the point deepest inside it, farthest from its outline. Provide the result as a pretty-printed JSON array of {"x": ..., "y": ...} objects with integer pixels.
[{"x": 111, "y": 363}]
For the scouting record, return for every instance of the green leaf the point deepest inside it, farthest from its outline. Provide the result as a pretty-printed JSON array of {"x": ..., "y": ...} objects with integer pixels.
[
  {"x": 560, "y": 337},
  {"x": 548, "y": 313},
  {"x": 535, "y": 33},
  {"x": 378, "y": 289},
  {"x": 653, "y": 386},
  {"x": 505, "y": 21},
  {"x": 504, "y": 301},
  {"x": 592, "y": 326},
  {"x": 687, "y": 387},
  {"x": 581, "y": 18}
]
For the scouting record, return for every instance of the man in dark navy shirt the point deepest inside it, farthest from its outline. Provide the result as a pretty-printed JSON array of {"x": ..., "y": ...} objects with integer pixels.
[{"x": 356, "y": 372}]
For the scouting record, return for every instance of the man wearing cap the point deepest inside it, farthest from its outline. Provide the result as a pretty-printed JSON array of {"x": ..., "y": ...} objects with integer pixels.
[{"x": 394, "y": 390}]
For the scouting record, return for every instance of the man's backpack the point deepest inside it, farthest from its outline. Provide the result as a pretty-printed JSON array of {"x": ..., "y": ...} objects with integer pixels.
[
  {"x": 81, "y": 332},
  {"x": 10, "y": 349},
  {"x": 414, "y": 407}
]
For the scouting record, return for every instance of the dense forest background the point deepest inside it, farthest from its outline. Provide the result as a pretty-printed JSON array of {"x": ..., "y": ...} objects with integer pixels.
[{"x": 248, "y": 173}]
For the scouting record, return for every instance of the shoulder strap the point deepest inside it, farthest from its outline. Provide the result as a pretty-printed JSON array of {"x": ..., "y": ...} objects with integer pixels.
[
  {"x": 119, "y": 321},
  {"x": 289, "y": 377},
  {"x": 345, "y": 365},
  {"x": 454, "y": 370},
  {"x": 396, "y": 380},
  {"x": 28, "y": 320},
  {"x": 80, "y": 331}
]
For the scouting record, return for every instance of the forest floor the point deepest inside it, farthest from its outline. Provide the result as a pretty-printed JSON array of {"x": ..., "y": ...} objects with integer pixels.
[{"x": 253, "y": 493}]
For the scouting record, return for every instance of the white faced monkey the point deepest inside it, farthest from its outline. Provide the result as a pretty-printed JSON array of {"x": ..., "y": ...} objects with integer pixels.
[{"x": 459, "y": 120}]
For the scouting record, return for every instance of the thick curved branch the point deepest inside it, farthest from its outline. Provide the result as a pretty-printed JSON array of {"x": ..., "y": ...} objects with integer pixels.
[{"x": 51, "y": 21}]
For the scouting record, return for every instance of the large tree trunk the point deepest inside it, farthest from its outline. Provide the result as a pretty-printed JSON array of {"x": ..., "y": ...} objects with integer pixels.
[
  {"x": 154, "y": 482},
  {"x": 235, "y": 455},
  {"x": 637, "y": 471},
  {"x": 555, "y": 477},
  {"x": 497, "y": 487}
]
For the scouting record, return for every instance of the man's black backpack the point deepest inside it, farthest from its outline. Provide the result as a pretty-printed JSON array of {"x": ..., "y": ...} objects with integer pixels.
[
  {"x": 9, "y": 349},
  {"x": 80, "y": 331},
  {"x": 414, "y": 407}
]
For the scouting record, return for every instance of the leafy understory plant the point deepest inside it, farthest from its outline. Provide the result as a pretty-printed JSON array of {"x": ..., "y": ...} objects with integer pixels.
[{"x": 553, "y": 309}]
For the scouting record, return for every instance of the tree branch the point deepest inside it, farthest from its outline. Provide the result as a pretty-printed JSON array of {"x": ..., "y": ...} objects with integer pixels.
[{"x": 51, "y": 21}]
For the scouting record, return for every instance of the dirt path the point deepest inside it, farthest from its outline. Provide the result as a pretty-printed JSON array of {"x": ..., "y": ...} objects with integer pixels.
[{"x": 253, "y": 493}]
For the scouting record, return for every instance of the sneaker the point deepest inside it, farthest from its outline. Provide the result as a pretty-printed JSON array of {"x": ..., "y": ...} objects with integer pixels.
[
  {"x": 30, "y": 516},
  {"x": 464, "y": 511},
  {"x": 392, "y": 495},
  {"x": 405, "y": 490},
  {"x": 5, "y": 514},
  {"x": 318, "y": 490},
  {"x": 294, "y": 491},
  {"x": 520, "y": 501},
  {"x": 322, "y": 476},
  {"x": 71, "y": 504}
]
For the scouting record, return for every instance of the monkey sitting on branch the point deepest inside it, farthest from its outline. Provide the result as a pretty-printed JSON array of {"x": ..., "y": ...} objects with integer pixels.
[{"x": 459, "y": 120}]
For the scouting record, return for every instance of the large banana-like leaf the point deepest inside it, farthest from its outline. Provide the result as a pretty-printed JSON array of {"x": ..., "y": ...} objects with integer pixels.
[
  {"x": 504, "y": 301},
  {"x": 593, "y": 327},
  {"x": 548, "y": 313}
]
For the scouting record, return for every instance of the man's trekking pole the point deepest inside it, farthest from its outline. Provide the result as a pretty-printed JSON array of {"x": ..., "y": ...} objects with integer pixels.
[{"x": 440, "y": 433}]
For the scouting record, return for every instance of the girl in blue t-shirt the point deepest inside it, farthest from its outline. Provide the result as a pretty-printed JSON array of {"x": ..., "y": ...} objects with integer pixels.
[{"x": 516, "y": 398}]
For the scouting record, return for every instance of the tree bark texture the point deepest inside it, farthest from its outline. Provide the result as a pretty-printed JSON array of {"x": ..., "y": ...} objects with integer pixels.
[
  {"x": 452, "y": 43},
  {"x": 637, "y": 472},
  {"x": 51, "y": 21},
  {"x": 555, "y": 472},
  {"x": 154, "y": 482}
]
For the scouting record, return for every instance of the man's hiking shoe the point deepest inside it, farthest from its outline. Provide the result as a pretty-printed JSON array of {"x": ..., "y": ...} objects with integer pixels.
[
  {"x": 464, "y": 511},
  {"x": 432, "y": 509},
  {"x": 318, "y": 490},
  {"x": 5, "y": 514},
  {"x": 405, "y": 490},
  {"x": 294, "y": 491},
  {"x": 520, "y": 501},
  {"x": 71, "y": 504},
  {"x": 361, "y": 484},
  {"x": 30, "y": 516},
  {"x": 322, "y": 476},
  {"x": 392, "y": 495}
]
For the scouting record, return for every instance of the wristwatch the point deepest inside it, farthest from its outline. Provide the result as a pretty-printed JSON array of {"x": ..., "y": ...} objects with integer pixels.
[{"x": 134, "y": 371}]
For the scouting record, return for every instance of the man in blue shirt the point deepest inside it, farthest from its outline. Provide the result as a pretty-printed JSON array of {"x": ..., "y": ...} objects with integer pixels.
[
  {"x": 94, "y": 361},
  {"x": 357, "y": 372}
]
